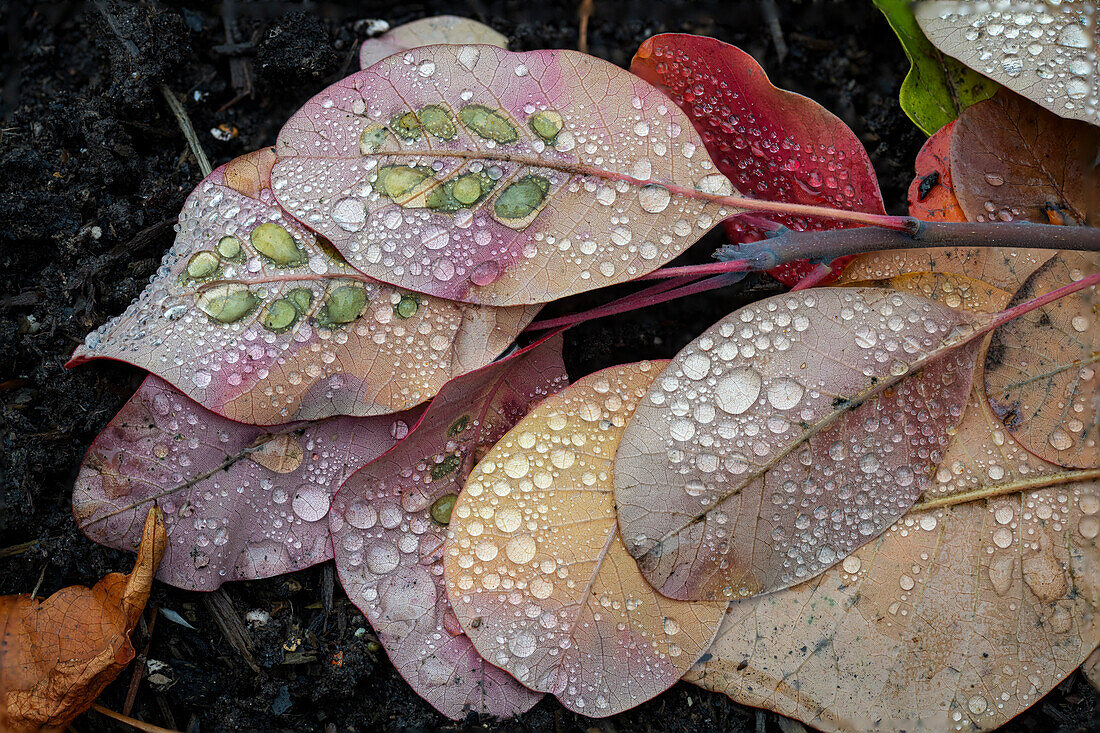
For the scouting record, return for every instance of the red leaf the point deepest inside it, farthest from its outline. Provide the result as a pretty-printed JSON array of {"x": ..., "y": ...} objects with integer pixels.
[
  {"x": 390, "y": 519},
  {"x": 773, "y": 144},
  {"x": 931, "y": 194}
]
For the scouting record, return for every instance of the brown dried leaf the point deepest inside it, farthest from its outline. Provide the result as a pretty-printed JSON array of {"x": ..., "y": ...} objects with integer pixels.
[
  {"x": 1041, "y": 373},
  {"x": 57, "y": 655}
]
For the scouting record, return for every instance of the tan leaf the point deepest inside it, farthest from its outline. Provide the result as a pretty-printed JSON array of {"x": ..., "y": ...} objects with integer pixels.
[
  {"x": 536, "y": 569},
  {"x": 1041, "y": 369}
]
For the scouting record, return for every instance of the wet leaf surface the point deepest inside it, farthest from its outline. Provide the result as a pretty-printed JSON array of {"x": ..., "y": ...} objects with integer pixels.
[
  {"x": 259, "y": 320},
  {"x": 1014, "y": 161},
  {"x": 937, "y": 87},
  {"x": 958, "y": 617},
  {"x": 389, "y": 522},
  {"x": 773, "y": 144},
  {"x": 790, "y": 433},
  {"x": 536, "y": 569},
  {"x": 1041, "y": 369},
  {"x": 57, "y": 655},
  {"x": 1045, "y": 51},
  {"x": 473, "y": 173},
  {"x": 240, "y": 501},
  {"x": 428, "y": 32}
]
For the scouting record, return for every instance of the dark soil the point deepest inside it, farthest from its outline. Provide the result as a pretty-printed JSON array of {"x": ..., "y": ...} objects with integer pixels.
[{"x": 93, "y": 171}]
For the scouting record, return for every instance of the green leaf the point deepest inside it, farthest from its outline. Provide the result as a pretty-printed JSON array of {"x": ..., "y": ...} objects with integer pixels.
[{"x": 937, "y": 87}]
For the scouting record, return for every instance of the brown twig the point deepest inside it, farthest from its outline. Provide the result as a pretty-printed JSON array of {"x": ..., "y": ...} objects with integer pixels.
[
  {"x": 133, "y": 723},
  {"x": 187, "y": 128},
  {"x": 584, "y": 12}
]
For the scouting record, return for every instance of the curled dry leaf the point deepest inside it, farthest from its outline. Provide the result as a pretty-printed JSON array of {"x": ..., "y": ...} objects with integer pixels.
[
  {"x": 773, "y": 144},
  {"x": 1014, "y": 161},
  {"x": 260, "y": 320},
  {"x": 536, "y": 569},
  {"x": 240, "y": 501},
  {"x": 790, "y": 433},
  {"x": 481, "y": 175},
  {"x": 1042, "y": 50},
  {"x": 1041, "y": 369},
  {"x": 428, "y": 32},
  {"x": 937, "y": 87},
  {"x": 957, "y": 618},
  {"x": 57, "y": 655},
  {"x": 390, "y": 519}
]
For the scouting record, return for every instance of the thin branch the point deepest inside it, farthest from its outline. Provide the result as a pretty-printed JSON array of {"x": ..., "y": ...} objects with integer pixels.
[
  {"x": 188, "y": 129},
  {"x": 1009, "y": 487},
  {"x": 133, "y": 723}
]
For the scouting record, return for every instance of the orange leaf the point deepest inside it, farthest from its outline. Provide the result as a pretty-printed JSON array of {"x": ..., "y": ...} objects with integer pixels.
[
  {"x": 57, "y": 655},
  {"x": 931, "y": 196}
]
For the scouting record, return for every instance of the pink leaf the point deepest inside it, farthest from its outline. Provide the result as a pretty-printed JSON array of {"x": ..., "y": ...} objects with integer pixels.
[
  {"x": 428, "y": 32},
  {"x": 260, "y": 320},
  {"x": 481, "y": 175},
  {"x": 390, "y": 519},
  {"x": 240, "y": 501},
  {"x": 773, "y": 144}
]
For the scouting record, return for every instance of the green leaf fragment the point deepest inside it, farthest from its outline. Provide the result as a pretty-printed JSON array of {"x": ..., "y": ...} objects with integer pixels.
[
  {"x": 202, "y": 265},
  {"x": 228, "y": 248},
  {"x": 227, "y": 303},
  {"x": 937, "y": 87},
  {"x": 488, "y": 123},
  {"x": 546, "y": 124},
  {"x": 280, "y": 315},
  {"x": 302, "y": 298},
  {"x": 397, "y": 181},
  {"x": 442, "y": 508},
  {"x": 407, "y": 306},
  {"x": 461, "y": 192},
  {"x": 406, "y": 125},
  {"x": 372, "y": 139}
]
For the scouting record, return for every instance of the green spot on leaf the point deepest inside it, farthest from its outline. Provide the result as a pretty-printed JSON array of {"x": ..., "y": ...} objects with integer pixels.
[
  {"x": 546, "y": 124},
  {"x": 405, "y": 125},
  {"x": 442, "y": 508},
  {"x": 488, "y": 123},
  {"x": 202, "y": 265},
  {"x": 458, "y": 426},
  {"x": 302, "y": 298},
  {"x": 446, "y": 466},
  {"x": 397, "y": 181},
  {"x": 343, "y": 305},
  {"x": 277, "y": 245},
  {"x": 461, "y": 192},
  {"x": 372, "y": 139},
  {"x": 438, "y": 122},
  {"x": 407, "y": 306},
  {"x": 521, "y": 198},
  {"x": 227, "y": 303},
  {"x": 228, "y": 248},
  {"x": 280, "y": 315}
]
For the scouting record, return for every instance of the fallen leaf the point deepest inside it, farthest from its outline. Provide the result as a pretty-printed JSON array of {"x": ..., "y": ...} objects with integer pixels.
[
  {"x": 57, "y": 655},
  {"x": 537, "y": 572},
  {"x": 773, "y": 144},
  {"x": 1014, "y": 161},
  {"x": 240, "y": 501},
  {"x": 823, "y": 409},
  {"x": 958, "y": 617},
  {"x": 932, "y": 194},
  {"x": 428, "y": 32},
  {"x": 486, "y": 176},
  {"x": 1041, "y": 368},
  {"x": 258, "y": 319},
  {"x": 1044, "y": 51},
  {"x": 937, "y": 87},
  {"x": 389, "y": 521}
]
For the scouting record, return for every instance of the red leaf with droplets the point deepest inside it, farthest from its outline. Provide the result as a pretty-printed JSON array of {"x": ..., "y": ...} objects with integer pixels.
[
  {"x": 389, "y": 522},
  {"x": 931, "y": 194},
  {"x": 773, "y": 144},
  {"x": 240, "y": 501},
  {"x": 257, "y": 318}
]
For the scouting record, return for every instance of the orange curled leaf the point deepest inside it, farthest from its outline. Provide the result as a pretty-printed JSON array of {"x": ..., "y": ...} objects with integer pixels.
[
  {"x": 57, "y": 655},
  {"x": 931, "y": 194}
]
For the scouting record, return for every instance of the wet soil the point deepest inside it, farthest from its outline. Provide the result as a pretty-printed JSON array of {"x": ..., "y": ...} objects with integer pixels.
[{"x": 93, "y": 171}]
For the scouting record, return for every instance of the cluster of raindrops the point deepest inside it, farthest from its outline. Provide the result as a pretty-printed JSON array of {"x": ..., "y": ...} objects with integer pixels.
[
  {"x": 389, "y": 522},
  {"x": 238, "y": 503},
  {"x": 259, "y": 319},
  {"x": 760, "y": 153},
  {"x": 459, "y": 191},
  {"x": 820, "y": 422},
  {"x": 538, "y": 574},
  {"x": 1046, "y": 51}
]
